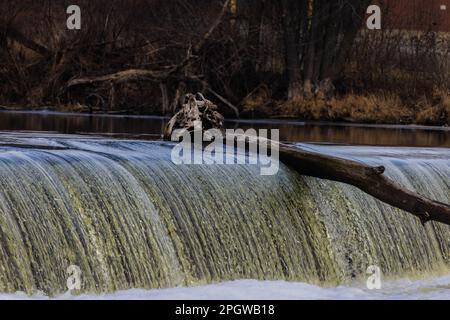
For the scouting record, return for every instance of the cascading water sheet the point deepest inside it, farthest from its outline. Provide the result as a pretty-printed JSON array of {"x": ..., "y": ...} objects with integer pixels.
[{"x": 128, "y": 217}]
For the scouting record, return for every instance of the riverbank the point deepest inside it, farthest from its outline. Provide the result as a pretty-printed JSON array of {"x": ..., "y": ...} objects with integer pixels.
[{"x": 381, "y": 108}]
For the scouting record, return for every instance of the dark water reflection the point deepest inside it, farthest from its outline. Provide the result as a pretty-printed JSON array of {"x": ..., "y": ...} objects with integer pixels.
[{"x": 151, "y": 128}]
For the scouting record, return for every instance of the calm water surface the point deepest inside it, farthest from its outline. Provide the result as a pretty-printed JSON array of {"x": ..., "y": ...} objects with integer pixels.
[{"x": 151, "y": 127}]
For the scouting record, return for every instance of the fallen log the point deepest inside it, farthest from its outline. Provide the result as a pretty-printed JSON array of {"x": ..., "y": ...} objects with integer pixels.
[
  {"x": 119, "y": 77},
  {"x": 369, "y": 179}
]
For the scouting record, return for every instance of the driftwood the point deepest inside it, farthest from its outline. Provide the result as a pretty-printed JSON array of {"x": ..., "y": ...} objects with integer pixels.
[
  {"x": 367, "y": 178},
  {"x": 121, "y": 77},
  {"x": 194, "y": 108}
]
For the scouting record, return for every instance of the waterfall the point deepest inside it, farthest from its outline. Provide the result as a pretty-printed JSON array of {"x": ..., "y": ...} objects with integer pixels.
[{"x": 128, "y": 217}]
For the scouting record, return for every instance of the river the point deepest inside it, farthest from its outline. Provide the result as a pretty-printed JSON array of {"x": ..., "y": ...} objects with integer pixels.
[{"x": 101, "y": 193}]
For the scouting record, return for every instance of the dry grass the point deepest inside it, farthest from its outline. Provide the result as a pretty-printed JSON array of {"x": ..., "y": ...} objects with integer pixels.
[
  {"x": 381, "y": 107},
  {"x": 435, "y": 110},
  {"x": 259, "y": 102},
  {"x": 372, "y": 108}
]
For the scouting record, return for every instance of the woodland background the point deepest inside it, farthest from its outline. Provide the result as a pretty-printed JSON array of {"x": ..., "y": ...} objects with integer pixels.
[{"x": 308, "y": 59}]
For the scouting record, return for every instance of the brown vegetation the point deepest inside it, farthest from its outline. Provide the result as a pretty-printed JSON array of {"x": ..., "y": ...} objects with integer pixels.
[
  {"x": 307, "y": 59},
  {"x": 381, "y": 107}
]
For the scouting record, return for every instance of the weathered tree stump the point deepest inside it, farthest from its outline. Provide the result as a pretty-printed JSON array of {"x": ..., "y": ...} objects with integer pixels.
[{"x": 194, "y": 108}]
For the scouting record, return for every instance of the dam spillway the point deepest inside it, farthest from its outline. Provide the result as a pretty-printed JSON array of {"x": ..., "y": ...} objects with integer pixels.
[{"x": 130, "y": 218}]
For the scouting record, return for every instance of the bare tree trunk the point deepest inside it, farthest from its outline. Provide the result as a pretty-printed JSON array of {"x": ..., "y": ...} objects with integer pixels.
[
  {"x": 260, "y": 58},
  {"x": 179, "y": 93},
  {"x": 310, "y": 53},
  {"x": 327, "y": 30},
  {"x": 325, "y": 86},
  {"x": 291, "y": 28},
  {"x": 164, "y": 97},
  {"x": 352, "y": 17},
  {"x": 112, "y": 96}
]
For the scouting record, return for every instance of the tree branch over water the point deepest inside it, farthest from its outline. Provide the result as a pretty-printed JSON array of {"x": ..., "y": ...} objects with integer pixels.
[{"x": 367, "y": 178}]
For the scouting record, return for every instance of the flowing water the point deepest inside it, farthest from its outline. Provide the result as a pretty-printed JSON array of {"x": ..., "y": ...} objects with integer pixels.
[{"x": 130, "y": 218}]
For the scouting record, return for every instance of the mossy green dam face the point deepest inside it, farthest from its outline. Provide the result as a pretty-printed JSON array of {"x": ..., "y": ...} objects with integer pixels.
[{"x": 128, "y": 217}]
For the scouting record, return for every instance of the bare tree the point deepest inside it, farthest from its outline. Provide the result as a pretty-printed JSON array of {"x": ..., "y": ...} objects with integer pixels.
[{"x": 318, "y": 36}]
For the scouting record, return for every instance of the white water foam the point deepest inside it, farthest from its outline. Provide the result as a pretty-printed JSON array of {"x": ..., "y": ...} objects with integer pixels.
[{"x": 433, "y": 288}]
